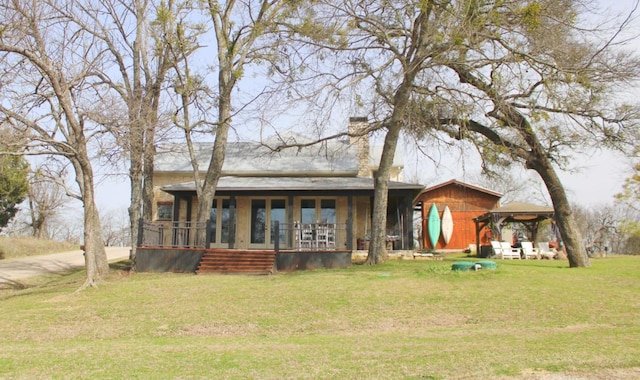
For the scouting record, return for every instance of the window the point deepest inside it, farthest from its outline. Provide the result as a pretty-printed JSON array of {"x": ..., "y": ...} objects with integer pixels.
[
  {"x": 165, "y": 210},
  {"x": 308, "y": 211},
  {"x": 320, "y": 210},
  {"x": 328, "y": 210}
]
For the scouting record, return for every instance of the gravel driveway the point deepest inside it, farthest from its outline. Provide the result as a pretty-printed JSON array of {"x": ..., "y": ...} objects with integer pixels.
[{"x": 13, "y": 270}]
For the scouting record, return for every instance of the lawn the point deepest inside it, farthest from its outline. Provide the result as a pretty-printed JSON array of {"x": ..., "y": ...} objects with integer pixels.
[
  {"x": 404, "y": 319},
  {"x": 22, "y": 246}
]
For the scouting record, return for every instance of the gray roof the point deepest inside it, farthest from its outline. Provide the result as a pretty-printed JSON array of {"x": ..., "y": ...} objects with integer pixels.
[
  {"x": 522, "y": 208},
  {"x": 518, "y": 212},
  {"x": 293, "y": 183},
  {"x": 332, "y": 157}
]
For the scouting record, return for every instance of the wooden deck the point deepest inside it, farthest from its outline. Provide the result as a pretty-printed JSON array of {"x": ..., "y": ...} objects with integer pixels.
[{"x": 240, "y": 261}]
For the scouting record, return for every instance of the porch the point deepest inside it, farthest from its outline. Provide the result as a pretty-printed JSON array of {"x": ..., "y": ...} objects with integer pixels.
[{"x": 184, "y": 247}]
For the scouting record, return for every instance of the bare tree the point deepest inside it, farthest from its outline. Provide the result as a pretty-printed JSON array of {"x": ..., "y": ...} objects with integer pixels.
[
  {"x": 240, "y": 29},
  {"x": 137, "y": 39},
  {"x": 46, "y": 201},
  {"x": 537, "y": 96},
  {"x": 116, "y": 228},
  {"x": 386, "y": 48},
  {"x": 45, "y": 66},
  {"x": 525, "y": 76}
]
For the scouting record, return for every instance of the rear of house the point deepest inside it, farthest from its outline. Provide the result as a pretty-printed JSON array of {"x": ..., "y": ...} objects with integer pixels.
[{"x": 266, "y": 196}]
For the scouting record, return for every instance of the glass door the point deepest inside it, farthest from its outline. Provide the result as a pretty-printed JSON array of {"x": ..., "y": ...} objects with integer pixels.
[
  {"x": 220, "y": 223},
  {"x": 264, "y": 213}
]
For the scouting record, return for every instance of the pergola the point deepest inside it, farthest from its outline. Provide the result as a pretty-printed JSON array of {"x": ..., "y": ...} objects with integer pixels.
[{"x": 527, "y": 214}]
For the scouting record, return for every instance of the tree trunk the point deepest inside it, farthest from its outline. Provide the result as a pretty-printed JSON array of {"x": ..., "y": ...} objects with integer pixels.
[
  {"x": 226, "y": 83},
  {"x": 96, "y": 262},
  {"x": 135, "y": 176},
  {"x": 378, "y": 245},
  {"x": 205, "y": 202},
  {"x": 569, "y": 232}
]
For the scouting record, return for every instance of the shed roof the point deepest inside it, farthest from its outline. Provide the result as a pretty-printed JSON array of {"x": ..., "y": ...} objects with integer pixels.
[{"x": 455, "y": 182}]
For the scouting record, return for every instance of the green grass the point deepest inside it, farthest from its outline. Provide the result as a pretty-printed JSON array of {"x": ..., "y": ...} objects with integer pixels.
[
  {"x": 400, "y": 320},
  {"x": 12, "y": 247}
]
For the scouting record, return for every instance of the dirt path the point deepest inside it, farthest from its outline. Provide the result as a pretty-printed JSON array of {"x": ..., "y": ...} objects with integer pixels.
[{"x": 13, "y": 270}]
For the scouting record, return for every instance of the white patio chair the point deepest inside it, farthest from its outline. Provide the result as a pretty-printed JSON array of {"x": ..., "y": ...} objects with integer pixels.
[
  {"x": 544, "y": 250},
  {"x": 528, "y": 251},
  {"x": 322, "y": 235},
  {"x": 306, "y": 237},
  {"x": 497, "y": 248},
  {"x": 508, "y": 252}
]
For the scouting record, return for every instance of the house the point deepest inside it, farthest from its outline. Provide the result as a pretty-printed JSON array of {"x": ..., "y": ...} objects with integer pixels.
[
  {"x": 266, "y": 195},
  {"x": 466, "y": 203}
]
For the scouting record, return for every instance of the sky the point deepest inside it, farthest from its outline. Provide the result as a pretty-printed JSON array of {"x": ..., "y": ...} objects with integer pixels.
[{"x": 597, "y": 177}]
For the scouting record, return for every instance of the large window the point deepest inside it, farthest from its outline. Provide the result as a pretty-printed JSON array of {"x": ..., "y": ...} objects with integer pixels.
[
  {"x": 328, "y": 210},
  {"x": 318, "y": 210},
  {"x": 308, "y": 211}
]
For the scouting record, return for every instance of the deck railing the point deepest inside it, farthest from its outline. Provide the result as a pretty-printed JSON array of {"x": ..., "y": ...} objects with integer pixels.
[
  {"x": 308, "y": 236},
  {"x": 175, "y": 234},
  {"x": 284, "y": 236}
]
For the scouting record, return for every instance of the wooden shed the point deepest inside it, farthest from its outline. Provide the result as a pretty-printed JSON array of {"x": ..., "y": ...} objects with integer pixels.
[{"x": 465, "y": 202}]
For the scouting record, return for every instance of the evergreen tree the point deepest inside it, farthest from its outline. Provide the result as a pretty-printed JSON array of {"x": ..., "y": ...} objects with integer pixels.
[{"x": 13, "y": 186}]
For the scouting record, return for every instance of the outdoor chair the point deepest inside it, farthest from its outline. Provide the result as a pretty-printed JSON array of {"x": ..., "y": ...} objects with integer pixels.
[
  {"x": 528, "y": 251},
  {"x": 322, "y": 235},
  {"x": 546, "y": 252},
  {"x": 497, "y": 248},
  {"x": 508, "y": 252},
  {"x": 307, "y": 240}
]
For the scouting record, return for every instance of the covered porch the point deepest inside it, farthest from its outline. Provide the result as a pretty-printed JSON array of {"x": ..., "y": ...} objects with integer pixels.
[
  {"x": 291, "y": 213},
  {"x": 305, "y": 221}
]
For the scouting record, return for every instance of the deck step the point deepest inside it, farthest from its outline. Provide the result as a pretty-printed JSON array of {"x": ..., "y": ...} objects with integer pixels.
[{"x": 237, "y": 261}]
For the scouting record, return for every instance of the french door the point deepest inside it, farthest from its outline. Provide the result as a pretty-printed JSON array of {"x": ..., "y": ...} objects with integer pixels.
[
  {"x": 220, "y": 223},
  {"x": 264, "y": 213}
]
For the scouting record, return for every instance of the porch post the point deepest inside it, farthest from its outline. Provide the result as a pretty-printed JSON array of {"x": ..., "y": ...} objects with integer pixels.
[
  {"x": 350, "y": 222},
  {"x": 276, "y": 243},
  {"x": 207, "y": 241},
  {"x": 232, "y": 221},
  {"x": 407, "y": 240},
  {"x": 176, "y": 207},
  {"x": 477, "y": 222},
  {"x": 140, "y": 232},
  {"x": 290, "y": 220}
]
